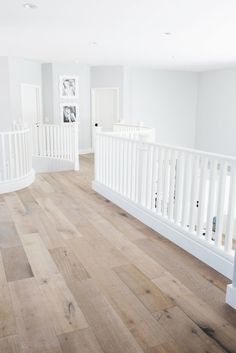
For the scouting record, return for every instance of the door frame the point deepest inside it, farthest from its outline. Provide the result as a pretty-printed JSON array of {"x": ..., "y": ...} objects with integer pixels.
[
  {"x": 39, "y": 101},
  {"x": 93, "y": 92}
]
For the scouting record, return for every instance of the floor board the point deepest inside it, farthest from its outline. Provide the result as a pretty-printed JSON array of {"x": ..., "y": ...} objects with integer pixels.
[{"x": 80, "y": 275}]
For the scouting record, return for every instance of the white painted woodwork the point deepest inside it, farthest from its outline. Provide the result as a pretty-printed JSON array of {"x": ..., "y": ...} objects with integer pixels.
[
  {"x": 184, "y": 188},
  {"x": 58, "y": 142},
  {"x": 15, "y": 160}
]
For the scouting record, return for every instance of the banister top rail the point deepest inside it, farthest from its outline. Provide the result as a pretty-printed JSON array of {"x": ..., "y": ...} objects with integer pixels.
[
  {"x": 62, "y": 124},
  {"x": 2, "y": 133},
  {"x": 173, "y": 147},
  {"x": 133, "y": 126}
]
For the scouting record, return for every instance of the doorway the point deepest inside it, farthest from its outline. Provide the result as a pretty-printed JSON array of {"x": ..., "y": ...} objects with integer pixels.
[
  {"x": 31, "y": 104},
  {"x": 105, "y": 109}
]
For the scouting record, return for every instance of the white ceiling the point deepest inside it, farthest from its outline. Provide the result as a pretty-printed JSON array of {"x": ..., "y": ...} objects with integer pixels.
[{"x": 128, "y": 32}]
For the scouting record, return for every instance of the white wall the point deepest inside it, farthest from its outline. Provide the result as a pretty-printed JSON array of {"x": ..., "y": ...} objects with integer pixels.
[
  {"x": 14, "y": 72},
  {"x": 216, "y": 119},
  {"x": 5, "y": 100},
  {"x": 51, "y": 75},
  {"x": 166, "y": 100},
  {"x": 22, "y": 71},
  {"x": 109, "y": 76}
]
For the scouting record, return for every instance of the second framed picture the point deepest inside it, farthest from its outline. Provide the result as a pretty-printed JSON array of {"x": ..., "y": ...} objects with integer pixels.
[
  {"x": 69, "y": 113},
  {"x": 69, "y": 87}
]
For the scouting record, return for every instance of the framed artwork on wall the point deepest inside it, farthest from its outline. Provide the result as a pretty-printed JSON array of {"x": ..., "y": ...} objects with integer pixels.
[
  {"x": 69, "y": 87},
  {"x": 69, "y": 113}
]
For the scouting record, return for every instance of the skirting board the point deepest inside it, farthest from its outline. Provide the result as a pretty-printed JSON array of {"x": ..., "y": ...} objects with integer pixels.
[
  {"x": 17, "y": 184},
  {"x": 86, "y": 151},
  {"x": 186, "y": 241},
  {"x": 49, "y": 165},
  {"x": 231, "y": 295}
]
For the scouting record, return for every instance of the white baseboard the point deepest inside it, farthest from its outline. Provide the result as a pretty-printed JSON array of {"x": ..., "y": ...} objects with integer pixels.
[
  {"x": 86, "y": 151},
  {"x": 17, "y": 184},
  {"x": 49, "y": 165},
  {"x": 195, "y": 246},
  {"x": 231, "y": 295}
]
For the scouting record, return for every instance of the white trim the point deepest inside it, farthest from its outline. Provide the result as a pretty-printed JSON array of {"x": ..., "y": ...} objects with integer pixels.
[
  {"x": 85, "y": 151},
  {"x": 50, "y": 164},
  {"x": 17, "y": 184},
  {"x": 231, "y": 295},
  {"x": 221, "y": 262}
]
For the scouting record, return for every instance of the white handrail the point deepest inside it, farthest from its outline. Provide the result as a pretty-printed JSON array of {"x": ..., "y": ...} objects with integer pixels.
[
  {"x": 174, "y": 147},
  {"x": 135, "y": 131},
  {"x": 57, "y": 141},
  {"x": 128, "y": 126},
  {"x": 192, "y": 191}
]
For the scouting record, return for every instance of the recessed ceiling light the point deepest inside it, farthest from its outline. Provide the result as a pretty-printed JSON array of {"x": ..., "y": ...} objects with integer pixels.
[{"x": 29, "y": 5}]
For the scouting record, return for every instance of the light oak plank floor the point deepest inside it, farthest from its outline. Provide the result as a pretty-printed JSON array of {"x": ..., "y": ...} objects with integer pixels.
[{"x": 80, "y": 275}]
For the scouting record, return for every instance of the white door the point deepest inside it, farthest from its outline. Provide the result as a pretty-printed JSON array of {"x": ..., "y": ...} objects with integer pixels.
[
  {"x": 105, "y": 108},
  {"x": 31, "y": 104}
]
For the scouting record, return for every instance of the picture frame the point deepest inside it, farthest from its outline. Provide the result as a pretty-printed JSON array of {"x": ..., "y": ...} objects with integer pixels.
[
  {"x": 69, "y": 113},
  {"x": 69, "y": 87}
]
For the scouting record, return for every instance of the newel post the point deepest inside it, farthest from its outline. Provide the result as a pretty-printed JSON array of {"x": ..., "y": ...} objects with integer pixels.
[
  {"x": 231, "y": 288},
  {"x": 76, "y": 146}
]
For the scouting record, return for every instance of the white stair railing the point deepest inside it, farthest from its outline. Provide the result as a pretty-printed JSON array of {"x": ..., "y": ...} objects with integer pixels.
[
  {"x": 15, "y": 160},
  {"x": 135, "y": 131},
  {"x": 188, "y": 194},
  {"x": 57, "y": 141}
]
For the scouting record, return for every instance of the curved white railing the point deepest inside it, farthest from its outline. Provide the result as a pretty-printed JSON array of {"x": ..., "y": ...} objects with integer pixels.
[
  {"x": 15, "y": 160},
  {"x": 58, "y": 142},
  {"x": 187, "y": 195}
]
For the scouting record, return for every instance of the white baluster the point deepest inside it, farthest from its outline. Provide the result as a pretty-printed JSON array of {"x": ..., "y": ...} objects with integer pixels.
[
  {"x": 228, "y": 246},
  {"x": 166, "y": 183},
  {"x": 202, "y": 195},
  {"x": 211, "y": 200},
  {"x": 221, "y": 204},
  {"x": 194, "y": 193},
  {"x": 179, "y": 188},
  {"x": 160, "y": 181},
  {"x": 187, "y": 191}
]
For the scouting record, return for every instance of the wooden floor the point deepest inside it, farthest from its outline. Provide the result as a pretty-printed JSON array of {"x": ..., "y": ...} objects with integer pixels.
[{"x": 78, "y": 274}]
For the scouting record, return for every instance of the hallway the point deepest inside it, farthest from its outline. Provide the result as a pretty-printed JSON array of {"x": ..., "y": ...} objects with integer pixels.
[{"x": 77, "y": 274}]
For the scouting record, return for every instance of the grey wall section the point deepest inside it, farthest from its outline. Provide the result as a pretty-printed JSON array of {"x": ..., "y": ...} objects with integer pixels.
[
  {"x": 109, "y": 76},
  {"x": 22, "y": 71},
  {"x": 47, "y": 93},
  {"x": 5, "y": 100},
  {"x": 83, "y": 73},
  {"x": 216, "y": 120},
  {"x": 166, "y": 100},
  {"x": 14, "y": 72}
]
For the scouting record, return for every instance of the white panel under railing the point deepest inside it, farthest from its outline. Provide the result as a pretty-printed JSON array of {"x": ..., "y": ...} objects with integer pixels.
[
  {"x": 189, "y": 194},
  {"x": 56, "y": 143},
  {"x": 15, "y": 160}
]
